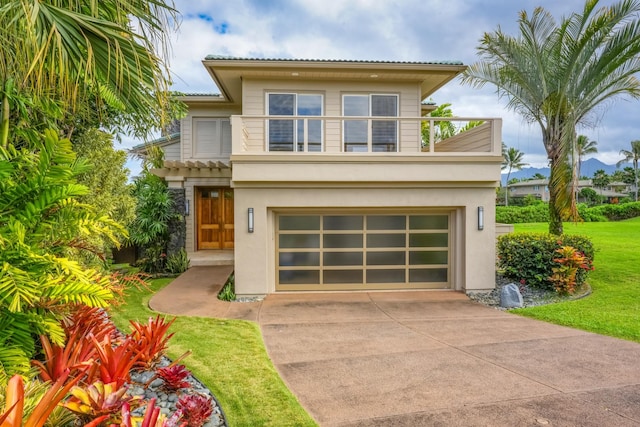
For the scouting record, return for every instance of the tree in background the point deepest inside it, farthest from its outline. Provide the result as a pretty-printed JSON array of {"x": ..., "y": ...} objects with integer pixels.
[
  {"x": 633, "y": 156},
  {"x": 511, "y": 160},
  {"x": 64, "y": 58},
  {"x": 584, "y": 147},
  {"x": 107, "y": 179},
  {"x": 557, "y": 74},
  {"x": 443, "y": 129},
  {"x": 600, "y": 180}
]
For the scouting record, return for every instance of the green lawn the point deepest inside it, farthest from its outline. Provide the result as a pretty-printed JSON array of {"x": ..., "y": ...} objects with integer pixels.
[
  {"x": 614, "y": 307},
  {"x": 229, "y": 357}
]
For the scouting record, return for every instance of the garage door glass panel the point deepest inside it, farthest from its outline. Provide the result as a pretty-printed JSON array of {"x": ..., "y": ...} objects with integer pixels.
[
  {"x": 429, "y": 240},
  {"x": 346, "y": 241},
  {"x": 386, "y": 240},
  {"x": 299, "y": 277},
  {"x": 290, "y": 241},
  {"x": 428, "y": 222},
  {"x": 353, "y": 251},
  {"x": 287, "y": 259},
  {"x": 299, "y": 222},
  {"x": 343, "y": 276},
  {"x": 386, "y": 222},
  {"x": 428, "y": 275},
  {"x": 428, "y": 257},
  {"x": 342, "y": 222},
  {"x": 386, "y": 276},
  {"x": 385, "y": 258},
  {"x": 342, "y": 258}
]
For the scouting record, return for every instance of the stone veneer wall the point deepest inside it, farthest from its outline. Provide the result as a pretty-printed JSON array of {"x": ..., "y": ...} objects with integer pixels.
[{"x": 178, "y": 225}]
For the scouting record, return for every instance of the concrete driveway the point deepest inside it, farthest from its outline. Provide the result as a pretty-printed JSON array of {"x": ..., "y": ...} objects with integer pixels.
[
  {"x": 436, "y": 358},
  {"x": 426, "y": 358}
]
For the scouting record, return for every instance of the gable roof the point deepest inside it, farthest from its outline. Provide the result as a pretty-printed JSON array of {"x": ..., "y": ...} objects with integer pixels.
[{"x": 228, "y": 71}]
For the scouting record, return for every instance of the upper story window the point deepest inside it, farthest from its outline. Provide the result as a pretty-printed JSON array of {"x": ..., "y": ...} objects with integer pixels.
[
  {"x": 212, "y": 137},
  {"x": 371, "y": 134},
  {"x": 294, "y": 135}
]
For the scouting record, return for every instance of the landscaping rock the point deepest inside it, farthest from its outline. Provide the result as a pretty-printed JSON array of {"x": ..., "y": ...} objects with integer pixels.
[
  {"x": 510, "y": 296},
  {"x": 167, "y": 401}
]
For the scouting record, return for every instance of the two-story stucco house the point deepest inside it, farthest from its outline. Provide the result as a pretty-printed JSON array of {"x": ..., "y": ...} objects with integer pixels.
[
  {"x": 320, "y": 175},
  {"x": 539, "y": 188}
]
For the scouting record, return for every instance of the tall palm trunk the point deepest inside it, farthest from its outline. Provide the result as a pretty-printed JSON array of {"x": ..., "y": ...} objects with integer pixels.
[
  {"x": 506, "y": 189},
  {"x": 635, "y": 170},
  {"x": 555, "y": 217},
  {"x": 4, "y": 121}
]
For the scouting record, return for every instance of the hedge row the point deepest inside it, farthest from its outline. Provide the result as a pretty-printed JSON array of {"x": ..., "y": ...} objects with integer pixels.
[
  {"x": 528, "y": 257},
  {"x": 540, "y": 213}
]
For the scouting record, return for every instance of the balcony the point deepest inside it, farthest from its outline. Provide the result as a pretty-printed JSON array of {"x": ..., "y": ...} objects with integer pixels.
[{"x": 368, "y": 136}]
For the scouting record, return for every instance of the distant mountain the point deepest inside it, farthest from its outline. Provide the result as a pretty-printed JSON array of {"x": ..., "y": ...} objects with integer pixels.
[{"x": 589, "y": 167}]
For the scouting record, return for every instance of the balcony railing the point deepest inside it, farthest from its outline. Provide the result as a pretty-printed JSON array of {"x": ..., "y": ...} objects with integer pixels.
[{"x": 434, "y": 136}]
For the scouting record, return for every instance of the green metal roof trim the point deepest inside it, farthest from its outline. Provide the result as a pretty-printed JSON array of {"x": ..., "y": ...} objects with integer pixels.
[
  {"x": 216, "y": 95},
  {"x": 156, "y": 141},
  {"x": 234, "y": 58}
]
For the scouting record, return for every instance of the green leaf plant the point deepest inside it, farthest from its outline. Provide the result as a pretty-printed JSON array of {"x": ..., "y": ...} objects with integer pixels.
[{"x": 43, "y": 228}]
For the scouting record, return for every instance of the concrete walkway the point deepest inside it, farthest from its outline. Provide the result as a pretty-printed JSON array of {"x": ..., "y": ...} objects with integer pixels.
[{"x": 428, "y": 358}]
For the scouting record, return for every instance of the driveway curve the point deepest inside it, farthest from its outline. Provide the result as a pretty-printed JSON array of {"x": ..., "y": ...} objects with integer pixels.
[{"x": 437, "y": 358}]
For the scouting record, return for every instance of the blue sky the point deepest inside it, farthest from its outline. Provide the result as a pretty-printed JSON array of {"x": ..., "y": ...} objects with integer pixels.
[{"x": 403, "y": 30}]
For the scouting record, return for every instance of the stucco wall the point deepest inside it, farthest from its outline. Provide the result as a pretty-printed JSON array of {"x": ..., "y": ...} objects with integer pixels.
[{"x": 473, "y": 251}]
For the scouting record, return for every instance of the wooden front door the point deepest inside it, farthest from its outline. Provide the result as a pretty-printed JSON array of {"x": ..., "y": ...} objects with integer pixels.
[{"x": 215, "y": 218}]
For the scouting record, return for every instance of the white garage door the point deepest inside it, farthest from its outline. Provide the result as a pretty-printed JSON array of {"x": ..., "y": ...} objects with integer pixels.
[{"x": 337, "y": 251}]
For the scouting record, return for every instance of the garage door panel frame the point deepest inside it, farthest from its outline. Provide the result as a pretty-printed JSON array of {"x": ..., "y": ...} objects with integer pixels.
[{"x": 364, "y": 267}]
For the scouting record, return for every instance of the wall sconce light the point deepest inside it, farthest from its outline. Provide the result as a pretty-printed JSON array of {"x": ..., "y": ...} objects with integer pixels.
[
  {"x": 480, "y": 218},
  {"x": 250, "y": 219},
  {"x": 186, "y": 207}
]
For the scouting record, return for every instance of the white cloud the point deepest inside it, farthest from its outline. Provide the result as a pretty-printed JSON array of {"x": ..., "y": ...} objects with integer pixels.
[{"x": 413, "y": 30}]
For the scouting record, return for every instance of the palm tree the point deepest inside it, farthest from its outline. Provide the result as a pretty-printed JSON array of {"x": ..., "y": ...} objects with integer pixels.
[
  {"x": 633, "y": 156},
  {"x": 512, "y": 160},
  {"x": 600, "y": 180},
  {"x": 557, "y": 74},
  {"x": 444, "y": 129},
  {"x": 584, "y": 147},
  {"x": 111, "y": 52}
]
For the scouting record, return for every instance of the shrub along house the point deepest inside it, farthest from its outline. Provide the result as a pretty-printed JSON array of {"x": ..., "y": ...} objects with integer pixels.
[{"x": 326, "y": 175}]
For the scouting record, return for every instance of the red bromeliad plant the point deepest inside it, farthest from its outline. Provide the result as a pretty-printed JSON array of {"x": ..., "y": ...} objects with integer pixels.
[
  {"x": 99, "y": 401},
  {"x": 195, "y": 409},
  {"x": 174, "y": 377},
  {"x": 150, "y": 340},
  {"x": 83, "y": 325},
  {"x": 13, "y": 414},
  {"x": 76, "y": 355},
  {"x": 152, "y": 417},
  {"x": 85, "y": 321},
  {"x": 115, "y": 362}
]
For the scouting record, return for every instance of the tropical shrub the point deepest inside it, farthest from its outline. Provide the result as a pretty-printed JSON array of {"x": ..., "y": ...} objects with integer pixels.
[
  {"x": 178, "y": 262},
  {"x": 565, "y": 274},
  {"x": 516, "y": 214},
  {"x": 619, "y": 211},
  {"x": 228, "y": 293},
  {"x": 530, "y": 257},
  {"x": 43, "y": 229},
  {"x": 154, "y": 210},
  {"x": 589, "y": 214}
]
